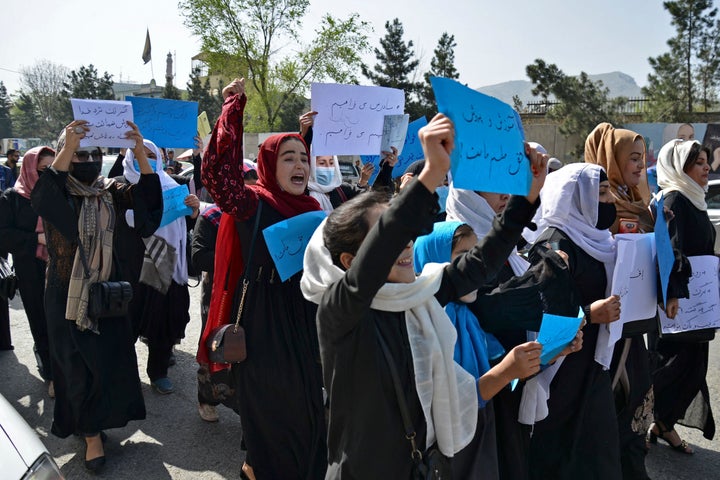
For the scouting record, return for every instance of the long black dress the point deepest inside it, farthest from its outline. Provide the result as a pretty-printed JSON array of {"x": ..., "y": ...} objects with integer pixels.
[
  {"x": 279, "y": 386},
  {"x": 681, "y": 390},
  {"x": 159, "y": 319},
  {"x": 96, "y": 380},
  {"x": 17, "y": 236},
  {"x": 579, "y": 437}
]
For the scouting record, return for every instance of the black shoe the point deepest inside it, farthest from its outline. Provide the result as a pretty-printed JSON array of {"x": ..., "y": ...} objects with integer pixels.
[{"x": 96, "y": 464}]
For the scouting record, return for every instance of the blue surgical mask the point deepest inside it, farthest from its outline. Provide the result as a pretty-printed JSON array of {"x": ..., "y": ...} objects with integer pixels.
[
  {"x": 324, "y": 175},
  {"x": 152, "y": 162}
]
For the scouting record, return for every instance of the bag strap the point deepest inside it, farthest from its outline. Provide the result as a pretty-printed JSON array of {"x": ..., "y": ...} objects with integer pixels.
[
  {"x": 246, "y": 273},
  {"x": 410, "y": 433}
]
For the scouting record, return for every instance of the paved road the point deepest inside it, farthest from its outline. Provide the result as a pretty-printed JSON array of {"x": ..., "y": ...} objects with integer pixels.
[{"x": 174, "y": 443}]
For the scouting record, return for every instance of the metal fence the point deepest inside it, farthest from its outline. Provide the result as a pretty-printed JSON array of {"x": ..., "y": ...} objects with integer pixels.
[{"x": 632, "y": 106}]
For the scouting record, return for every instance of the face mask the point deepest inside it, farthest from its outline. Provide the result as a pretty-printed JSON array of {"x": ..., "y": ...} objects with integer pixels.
[
  {"x": 606, "y": 215},
  {"x": 152, "y": 162},
  {"x": 324, "y": 175},
  {"x": 86, "y": 172}
]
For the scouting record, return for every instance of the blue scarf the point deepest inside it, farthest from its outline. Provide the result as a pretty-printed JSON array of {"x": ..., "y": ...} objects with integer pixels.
[{"x": 474, "y": 349}]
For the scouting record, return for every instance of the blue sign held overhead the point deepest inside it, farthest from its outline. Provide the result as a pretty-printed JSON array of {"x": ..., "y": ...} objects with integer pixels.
[
  {"x": 168, "y": 123},
  {"x": 287, "y": 240},
  {"x": 412, "y": 149},
  {"x": 489, "y": 152}
]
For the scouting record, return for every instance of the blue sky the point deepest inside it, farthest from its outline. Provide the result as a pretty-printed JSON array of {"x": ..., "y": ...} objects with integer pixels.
[{"x": 495, "y": 40}]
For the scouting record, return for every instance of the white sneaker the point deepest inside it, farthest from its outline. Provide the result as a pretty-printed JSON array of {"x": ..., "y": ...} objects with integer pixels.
[{"x": 207, "y": 412}]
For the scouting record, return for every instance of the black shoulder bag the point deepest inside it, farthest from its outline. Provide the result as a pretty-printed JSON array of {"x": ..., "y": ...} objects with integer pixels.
[
  {"x": 432, "y": 465},
  {"x": 106, "y": 299},
  {"x": 226, "y": 343}
]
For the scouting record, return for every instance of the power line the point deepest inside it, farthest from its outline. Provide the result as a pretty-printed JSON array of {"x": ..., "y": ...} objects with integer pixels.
[{"x": 8, "y": 70}]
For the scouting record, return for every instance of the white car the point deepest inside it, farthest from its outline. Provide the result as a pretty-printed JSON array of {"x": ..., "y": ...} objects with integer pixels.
[
  {"x": 712, "y": 197},
  {"x": 22, "y": 455}
]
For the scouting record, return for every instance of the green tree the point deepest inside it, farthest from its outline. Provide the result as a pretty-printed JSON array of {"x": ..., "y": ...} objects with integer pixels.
[
  {"x": 44, "y": 84},
  {"x": 25, "y": 117},
  {"x": 171, "y": 91},
  {"x": 254, "y": 37},
  {"x": 85, "y": 83},
  {"x": 582, "y": 103},
  {"x": 442, "y": 65},
  {"x": 708, "y": 66},
  {"x": 396, "y": 67},
  {"x": 5, "y": 119},
  {"x": 201, "y": 92},
  {"x": 672, "y": 88}
]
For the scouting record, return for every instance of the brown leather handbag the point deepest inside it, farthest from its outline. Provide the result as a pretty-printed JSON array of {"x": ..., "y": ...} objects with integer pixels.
[{"x": 226, "y": 343}]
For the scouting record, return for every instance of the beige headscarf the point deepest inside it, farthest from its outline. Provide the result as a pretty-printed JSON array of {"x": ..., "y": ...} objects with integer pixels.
[
  {"x": 608, "y": 147},
  {"x": 672, "y": 176}
]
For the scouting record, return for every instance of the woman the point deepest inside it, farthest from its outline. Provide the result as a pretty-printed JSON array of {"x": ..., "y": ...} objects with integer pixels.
[
  {"x": 622, "y": 154},
  {"x": 509, "y": 306},
  {"x": 279, "y": 385},
  {"x": 93, "y": 362},
  {"x": 579, "y": 437},
  {"x": 326, "y": 183},
  {"x": 161, "y": 301},
  {"x": 475, "y": 350},
  {"x": 679, "y": 380},
  {"x": 21, "y": 233},
  {"x": 359, "y": 269}
]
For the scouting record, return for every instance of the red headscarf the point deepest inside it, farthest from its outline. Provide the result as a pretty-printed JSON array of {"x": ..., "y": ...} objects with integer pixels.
[
  {"x": 28, "y": 171},
  {"x": 267, "y": 188},
  {"x": 229, "y": 264}
]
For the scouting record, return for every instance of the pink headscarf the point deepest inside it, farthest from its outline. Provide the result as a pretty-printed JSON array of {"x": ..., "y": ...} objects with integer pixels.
[
  {"x": 28, "y": 171},
  {"x": 25, "y": 184}
]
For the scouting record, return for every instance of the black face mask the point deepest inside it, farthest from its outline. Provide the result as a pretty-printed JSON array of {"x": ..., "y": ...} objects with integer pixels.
[
  {"x": 86, "y": 172},
  {"x": 606, "y": 215}
]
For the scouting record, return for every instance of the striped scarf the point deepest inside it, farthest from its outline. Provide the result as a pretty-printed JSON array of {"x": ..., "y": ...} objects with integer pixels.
[{"x": 96, "y": 224}]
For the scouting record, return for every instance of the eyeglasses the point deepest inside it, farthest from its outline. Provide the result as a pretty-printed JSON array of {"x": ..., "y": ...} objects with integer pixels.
[{"x": 84, "y": 156}]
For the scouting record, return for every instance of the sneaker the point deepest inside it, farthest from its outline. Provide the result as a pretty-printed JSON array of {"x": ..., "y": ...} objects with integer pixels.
[
  {"x": 51, "y": 389},
  {"x": 208, "y": 412},
  {"x": 163, "y": 385}
]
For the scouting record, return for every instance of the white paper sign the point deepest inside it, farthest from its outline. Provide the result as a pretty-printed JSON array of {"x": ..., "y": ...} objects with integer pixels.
[
  {"x": 702, "y": 309},
  {"x": 394, "y": 131},
  {"x": 634, "y": 280},
  {"x": 350, "y": 117},
  {"x": 107, "y": 120}
]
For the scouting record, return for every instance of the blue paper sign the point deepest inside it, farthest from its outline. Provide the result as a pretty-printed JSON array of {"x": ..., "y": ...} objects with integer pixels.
[
  {"x": 556, "y": 332},
  {"x": 286, "y": 241},
  {"x": 173, "y": 206},
  {"x": 665, "y": 254},
  {"x": 489, "y": 153},
  {"x": 375, "y": 160},
  {"x": 168, "y": 123},
  {"x": 412, "y": 150}
]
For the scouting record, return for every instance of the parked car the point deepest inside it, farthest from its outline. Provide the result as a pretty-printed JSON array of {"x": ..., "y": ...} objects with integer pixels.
[
  {"x": 22, "y": 454},
  {"x": 712, "y": 197},
  {"x": 349, "y": 171}
]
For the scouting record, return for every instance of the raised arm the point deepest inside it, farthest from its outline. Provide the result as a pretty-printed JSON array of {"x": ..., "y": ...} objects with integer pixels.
[{"x": 222, "y": 162}]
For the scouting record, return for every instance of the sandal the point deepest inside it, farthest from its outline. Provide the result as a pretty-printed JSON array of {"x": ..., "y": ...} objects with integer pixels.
[{"x": 652, "y": 437}]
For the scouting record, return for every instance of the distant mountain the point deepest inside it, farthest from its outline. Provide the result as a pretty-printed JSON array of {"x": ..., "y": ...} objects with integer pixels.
[{"x": 620, "y": 85}]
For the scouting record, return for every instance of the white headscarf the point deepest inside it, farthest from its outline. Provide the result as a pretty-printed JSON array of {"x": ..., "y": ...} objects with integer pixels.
[
  {"x": 174, "y": 233},
  {"x": 569, "y": 202},
  {"x": 321, "y": 192},
  {"x": 447, "y": 392},
  {"x": 671, "y": 176},
  {"x": 468, "y": 207}
]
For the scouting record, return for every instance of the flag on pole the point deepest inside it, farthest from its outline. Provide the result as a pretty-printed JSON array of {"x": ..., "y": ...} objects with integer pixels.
[{"x": 146, "y": 51}]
